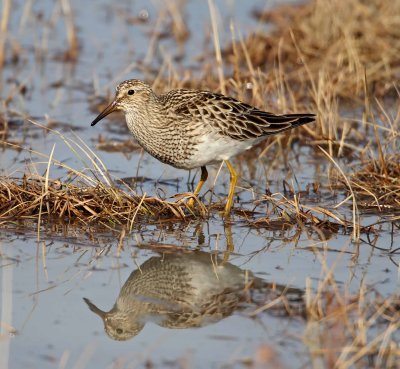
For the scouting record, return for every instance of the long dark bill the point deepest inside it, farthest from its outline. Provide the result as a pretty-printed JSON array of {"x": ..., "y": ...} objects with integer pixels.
[
  {"x": 108, "y": 110},
  {"x": 94, "y": 308}
]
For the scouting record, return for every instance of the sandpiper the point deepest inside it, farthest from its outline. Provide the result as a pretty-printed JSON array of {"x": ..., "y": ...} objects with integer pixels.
[
  {"x": 178, "y": 291},
  {"x": 191, "y": 128}
]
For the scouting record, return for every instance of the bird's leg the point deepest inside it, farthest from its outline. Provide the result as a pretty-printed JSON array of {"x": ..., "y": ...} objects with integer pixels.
[
  {"x": 203, "y": 178},
  {"x": 229, "y": 241},
  {"x": 233, "y": 180}
]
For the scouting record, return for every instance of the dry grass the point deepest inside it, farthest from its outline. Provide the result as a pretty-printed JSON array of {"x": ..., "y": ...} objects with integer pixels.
[
  {"x": 338, "y": 39},
  {"x": 351, "y": 330},
  {"x": 334, "y": 59},
  {"x": 92, "y": 196},
  {"x": 331, "y": 52},
  {"x": 345, "y": 330},
  {"x": 378, "y": 186},
  {"x": 3, "y": 128},
  {"x": 105, "y": 204},
  {"x": 22, "y": 199},
  {"x": 72, "y": 52},
  {"x": 5, "y": 17},
  {"x": 323, "y": 51},
  {"x": 82, "y": 196}
]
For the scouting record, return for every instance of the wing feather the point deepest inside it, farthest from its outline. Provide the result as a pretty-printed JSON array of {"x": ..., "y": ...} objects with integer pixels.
[{"x": 233, "y": 118}]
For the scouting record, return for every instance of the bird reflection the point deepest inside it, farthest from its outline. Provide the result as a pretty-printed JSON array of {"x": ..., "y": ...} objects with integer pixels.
[{"x": 177, "y": 291}]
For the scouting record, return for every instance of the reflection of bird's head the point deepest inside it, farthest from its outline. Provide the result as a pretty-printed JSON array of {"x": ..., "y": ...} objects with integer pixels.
[{"x": 118, "y": 325}]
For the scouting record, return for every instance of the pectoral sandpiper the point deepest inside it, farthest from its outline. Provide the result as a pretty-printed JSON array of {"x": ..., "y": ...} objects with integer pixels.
[
  {"x": 177, "y": 291},
  {"x": 190, "y": 128}
]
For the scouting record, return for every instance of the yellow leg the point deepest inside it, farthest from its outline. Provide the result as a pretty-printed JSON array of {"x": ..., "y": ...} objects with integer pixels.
[
  {"x": 203, "y": 178},
  {"x": 229, "y": 241},
  {"x": 233, "y": 180}
]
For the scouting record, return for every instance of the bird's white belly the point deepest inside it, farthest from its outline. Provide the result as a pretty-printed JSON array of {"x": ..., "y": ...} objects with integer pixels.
[{"x": 213, "y": 150}]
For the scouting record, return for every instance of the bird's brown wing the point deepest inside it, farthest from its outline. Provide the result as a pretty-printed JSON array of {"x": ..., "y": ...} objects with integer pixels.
[{"x": 235, "y": 119}]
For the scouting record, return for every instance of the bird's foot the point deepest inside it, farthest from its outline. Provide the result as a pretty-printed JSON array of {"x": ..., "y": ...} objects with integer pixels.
[
  {"x": 196, "y": 206},
  {"x": 190, "y": 204}
]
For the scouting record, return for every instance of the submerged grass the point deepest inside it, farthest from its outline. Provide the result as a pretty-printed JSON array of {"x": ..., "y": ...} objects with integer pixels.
[
  {"x": 346, "y": 330},
  {"x": 351, "y": 330}
]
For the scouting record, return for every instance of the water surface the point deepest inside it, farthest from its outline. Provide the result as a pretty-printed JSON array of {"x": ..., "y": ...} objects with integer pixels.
[{"x": 44, "y": 320}]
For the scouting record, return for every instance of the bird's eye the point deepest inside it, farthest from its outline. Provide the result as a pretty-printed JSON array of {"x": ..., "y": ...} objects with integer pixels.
[
  {"x": 131, "y": 92},
  {"x": 119, "y": 330}
]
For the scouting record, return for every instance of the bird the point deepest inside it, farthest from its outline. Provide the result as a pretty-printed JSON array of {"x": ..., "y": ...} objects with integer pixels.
[
  {"x": 190, "y": 129},
  {"x": 178, "y": 290}
]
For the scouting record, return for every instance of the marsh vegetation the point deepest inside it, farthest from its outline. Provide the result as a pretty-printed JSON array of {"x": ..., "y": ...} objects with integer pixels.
[{"x": 317, "y": 209}]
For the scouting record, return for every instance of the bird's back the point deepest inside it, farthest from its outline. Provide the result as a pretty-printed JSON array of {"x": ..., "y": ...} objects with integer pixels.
[
  {"x": 213, "y": 127},
  {"x": 227, "y": 116},
  {"x": 183, "y": 290}
]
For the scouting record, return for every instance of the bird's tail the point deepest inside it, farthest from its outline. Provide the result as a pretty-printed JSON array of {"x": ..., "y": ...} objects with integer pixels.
[{"x": 300, "y": 119}]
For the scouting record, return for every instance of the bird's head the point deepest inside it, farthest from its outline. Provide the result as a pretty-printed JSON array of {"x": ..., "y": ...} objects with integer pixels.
[
  {"x": 118, "y": 325},
  {"x": 130, "y": 96}
]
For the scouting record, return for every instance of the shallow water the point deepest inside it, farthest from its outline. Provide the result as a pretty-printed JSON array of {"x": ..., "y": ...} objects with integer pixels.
[
  {"x": 43, "y": 285},
  {"x": 44, "y": 320}
]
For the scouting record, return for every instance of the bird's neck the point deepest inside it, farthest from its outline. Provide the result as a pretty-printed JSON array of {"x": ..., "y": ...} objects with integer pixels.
[
  {"x": 152, "y": 129},
  {"x": 145, "y": 121}
]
